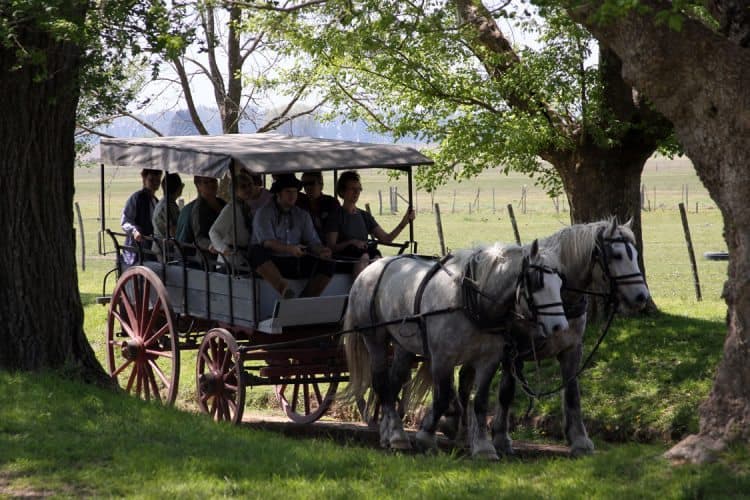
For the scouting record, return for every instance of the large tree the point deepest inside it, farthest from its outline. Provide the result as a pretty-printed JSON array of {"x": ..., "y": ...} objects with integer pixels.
[
  {"x": 694, "y": 64},
  {"x": 41, "y": 58},
  {"x": 445, "y": 72}
]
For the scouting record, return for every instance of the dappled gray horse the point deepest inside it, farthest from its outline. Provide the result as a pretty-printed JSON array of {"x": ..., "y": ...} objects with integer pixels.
[
  {"x": 590, "y": 255},
  {"x": 441, "y": 310}
]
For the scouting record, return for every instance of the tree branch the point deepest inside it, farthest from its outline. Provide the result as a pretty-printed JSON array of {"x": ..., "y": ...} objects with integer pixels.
[
  {"x": 180, "y": 69},
  {"x": 263, "y": 6}
]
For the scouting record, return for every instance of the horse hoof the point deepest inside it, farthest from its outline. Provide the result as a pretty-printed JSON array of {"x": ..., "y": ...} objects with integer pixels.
[
  {"x": 400, "y": 441},
  {"x": 582, "y": 447},
  {"x": 426, "y": 442},
  {"x": 504, "y": 445},
  {"x": 484, "y": 451},
  {"x": 449, "y": 427}
]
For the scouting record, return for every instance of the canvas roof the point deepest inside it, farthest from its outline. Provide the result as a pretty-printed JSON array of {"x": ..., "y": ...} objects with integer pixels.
[{"x": 268, "y": 153}]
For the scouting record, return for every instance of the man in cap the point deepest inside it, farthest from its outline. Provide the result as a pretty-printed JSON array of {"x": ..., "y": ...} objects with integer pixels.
[{"x": 285, "y": 244}]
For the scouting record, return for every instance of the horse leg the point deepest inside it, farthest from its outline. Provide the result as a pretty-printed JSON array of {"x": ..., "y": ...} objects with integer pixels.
[
  {"x": 442, "y": 395},
  {"x": 400, "y": 375},
  {"x": 481, "y": 446},
  {"x": 575, "y": 431},
  {"x": 501, "y": 424}
]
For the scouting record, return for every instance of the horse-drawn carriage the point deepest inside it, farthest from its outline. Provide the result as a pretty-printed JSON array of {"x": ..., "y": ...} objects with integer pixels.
[{"x": 176, "y": 298}]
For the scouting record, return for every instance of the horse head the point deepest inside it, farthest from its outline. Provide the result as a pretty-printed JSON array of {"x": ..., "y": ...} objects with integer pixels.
[
  {"x": 617, "y": 259},
  {"x": 538, "y": 291}
]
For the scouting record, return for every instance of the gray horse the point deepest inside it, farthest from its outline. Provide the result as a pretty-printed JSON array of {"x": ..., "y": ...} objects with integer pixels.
[
  {"x": 447, "y": 312},
  {"x": 591, "y": 255}
]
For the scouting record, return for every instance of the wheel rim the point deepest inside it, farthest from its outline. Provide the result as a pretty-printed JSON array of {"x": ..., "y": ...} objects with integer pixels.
[
  {"x": 142, "y": 345},
  {"x": 302, "y": 399},
  {"x": 221, "y": 391}
]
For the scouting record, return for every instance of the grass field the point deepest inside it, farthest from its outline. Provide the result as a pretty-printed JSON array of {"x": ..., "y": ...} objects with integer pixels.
[{"x": 66, "y": 439}]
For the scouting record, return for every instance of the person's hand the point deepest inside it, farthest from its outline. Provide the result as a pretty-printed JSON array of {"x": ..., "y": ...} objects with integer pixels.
[
  {"x": 296, "y": 250},
  {"x": 137, "y": 236},
  {"x": 409, "y": 216},
  {"x": 325, "y": 252},
  {"x": 362, "y": 245},
  {"x": 213, "y": 250}
]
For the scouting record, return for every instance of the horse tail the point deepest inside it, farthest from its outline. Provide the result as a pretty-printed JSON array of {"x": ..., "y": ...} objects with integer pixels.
[
  {"x": 416, "y": 391},
  {"x": 358, "y": 361}
]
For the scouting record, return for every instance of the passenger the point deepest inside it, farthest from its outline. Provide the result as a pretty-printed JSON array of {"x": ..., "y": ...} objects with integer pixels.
[
  {"x": 222, "y": 233},
  {"x": 167, "y": 208},
  {"x": 285, "y": 244},
  {"x": 197, "y": 217},
  {"x": 319, "y": 205},
  {"x": 137, "y": 213},
  {"x": 260, "y": 195},
  {"x": 348, "y": 229}
]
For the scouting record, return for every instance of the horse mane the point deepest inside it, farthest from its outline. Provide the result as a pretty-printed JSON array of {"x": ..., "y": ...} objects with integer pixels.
[{"x": 575, "y": 244}]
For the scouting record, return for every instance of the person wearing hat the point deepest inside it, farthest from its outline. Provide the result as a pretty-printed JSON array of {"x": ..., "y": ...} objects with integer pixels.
[
  {"x": 285, "y": 244},
  {"x": 136, "y": 215}
]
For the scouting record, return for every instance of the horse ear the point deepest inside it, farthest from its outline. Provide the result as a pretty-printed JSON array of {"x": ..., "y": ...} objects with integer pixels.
[
  {"x": 534, "y": 249},
  {"x": 613, "y": 226},
  {"x": 629, "y": 223}
]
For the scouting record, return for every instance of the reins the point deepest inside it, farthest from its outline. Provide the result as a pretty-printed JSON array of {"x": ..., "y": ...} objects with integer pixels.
[{"x": 600, "y": 258}]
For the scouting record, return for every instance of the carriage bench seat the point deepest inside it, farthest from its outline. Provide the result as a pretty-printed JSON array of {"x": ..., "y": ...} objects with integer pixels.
[{"x": 304, "y": 311}]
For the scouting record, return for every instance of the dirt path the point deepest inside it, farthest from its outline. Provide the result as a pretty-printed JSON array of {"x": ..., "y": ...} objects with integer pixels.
[{"x": 360, "y": 433}]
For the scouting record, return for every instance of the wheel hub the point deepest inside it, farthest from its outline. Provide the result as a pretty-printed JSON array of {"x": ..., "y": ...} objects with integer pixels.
[
  {"x": 211, "y": 383},
  {"x": 131, "y": 348}
]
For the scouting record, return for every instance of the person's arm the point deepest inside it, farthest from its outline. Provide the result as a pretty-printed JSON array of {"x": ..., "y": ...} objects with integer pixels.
[
  {"x": 127, "y": 220},
  {"x": 184, "y": 233},
  {"x": 310, "y": 237},
  {"x": 381, "y": 235},
  {"x": 220, "y": 232}
]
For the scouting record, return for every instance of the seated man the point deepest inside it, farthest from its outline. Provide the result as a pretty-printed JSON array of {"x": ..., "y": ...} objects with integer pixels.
[
  {"x": 285, "y": 245},
  {"x": 197, "y": 217},
  {"x": 137, "y": 213},
  {"x": 167, "y": 212},
  {"x": 319, "y": 205}
]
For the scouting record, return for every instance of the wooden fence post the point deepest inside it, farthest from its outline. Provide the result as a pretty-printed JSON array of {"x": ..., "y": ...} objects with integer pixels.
[
  {"x": 513, "y": 223},
  {"x": 367, "y": 207},
  {"x": 453, "y": 206},
  {"x": 689, "y": 242},
  {"x": 493, "y": 200},
  {"x": 380, "y": 202},
  {"x": 439, "y": 223}
]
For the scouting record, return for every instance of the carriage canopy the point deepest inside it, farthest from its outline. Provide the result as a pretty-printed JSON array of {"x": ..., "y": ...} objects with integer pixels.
[{"x": 267, "y": 153}]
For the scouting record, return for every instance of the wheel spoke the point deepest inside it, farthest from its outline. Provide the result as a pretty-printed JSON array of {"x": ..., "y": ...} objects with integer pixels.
[
  {"x": 160, "y": 354},
  {"x": 138, "y": 380},
  {"x": 160, "y": 373},
  {"x": 306, "y": 396},
  {"x": 318, "y": 396},
  {"x": 131, "y": 378},
  {"x": 152, "y": 381},
  {"x": 213, "y": 408},
  {"x": 125, "y": 301},
  {"x": 156, "y": 335},
  {"x": 125, "y": 325},
  {"x": 119, "y": 370},
  {"x": 225, "y": 361},
  {"x": 295, "y": 393},
  {"x": 206, "y": 358},
  {"x": 154, "y": 312},
  {"x": 143, "y": 301}
]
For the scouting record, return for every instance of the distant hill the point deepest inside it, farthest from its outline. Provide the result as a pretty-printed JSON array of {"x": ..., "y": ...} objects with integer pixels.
[{"x": 179, "y": 123}]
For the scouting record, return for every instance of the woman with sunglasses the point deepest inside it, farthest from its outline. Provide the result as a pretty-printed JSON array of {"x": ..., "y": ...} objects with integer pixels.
[{"x": 348, "y": 230}]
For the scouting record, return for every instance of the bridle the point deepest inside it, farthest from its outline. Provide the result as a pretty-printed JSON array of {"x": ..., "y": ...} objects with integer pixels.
[
  {"x": 530, "y": 280},
  {"x": 602, "y": 256}
]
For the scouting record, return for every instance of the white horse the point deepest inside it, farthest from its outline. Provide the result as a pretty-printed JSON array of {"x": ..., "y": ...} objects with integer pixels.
[
  {"x": 449, "y": 312},
  {"x": 590, "y": 255}
]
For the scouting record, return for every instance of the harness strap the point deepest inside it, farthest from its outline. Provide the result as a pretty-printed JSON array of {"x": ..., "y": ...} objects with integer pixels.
[
  {"x": 373, "y": 301},
  {"x": 437, "y": 266}
]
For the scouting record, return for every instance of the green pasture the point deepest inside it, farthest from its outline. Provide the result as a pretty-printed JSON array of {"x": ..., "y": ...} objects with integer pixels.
[{"x": 641, "y": 394}]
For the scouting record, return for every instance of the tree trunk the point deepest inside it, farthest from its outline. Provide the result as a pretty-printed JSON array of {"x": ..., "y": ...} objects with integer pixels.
[
  {"x": 700, "y": 80},
  {"x": 40, "y": 306}
]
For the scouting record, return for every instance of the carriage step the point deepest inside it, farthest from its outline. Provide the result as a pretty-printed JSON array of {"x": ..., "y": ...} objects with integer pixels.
[{"x": 103, "y": 300}]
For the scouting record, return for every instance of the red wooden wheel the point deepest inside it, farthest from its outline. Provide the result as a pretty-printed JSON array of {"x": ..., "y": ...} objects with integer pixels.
[
  {"x": 142, "y": 343},
  {"x": 218, "y": 377},
  {"x": 302, "y": 400}
]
